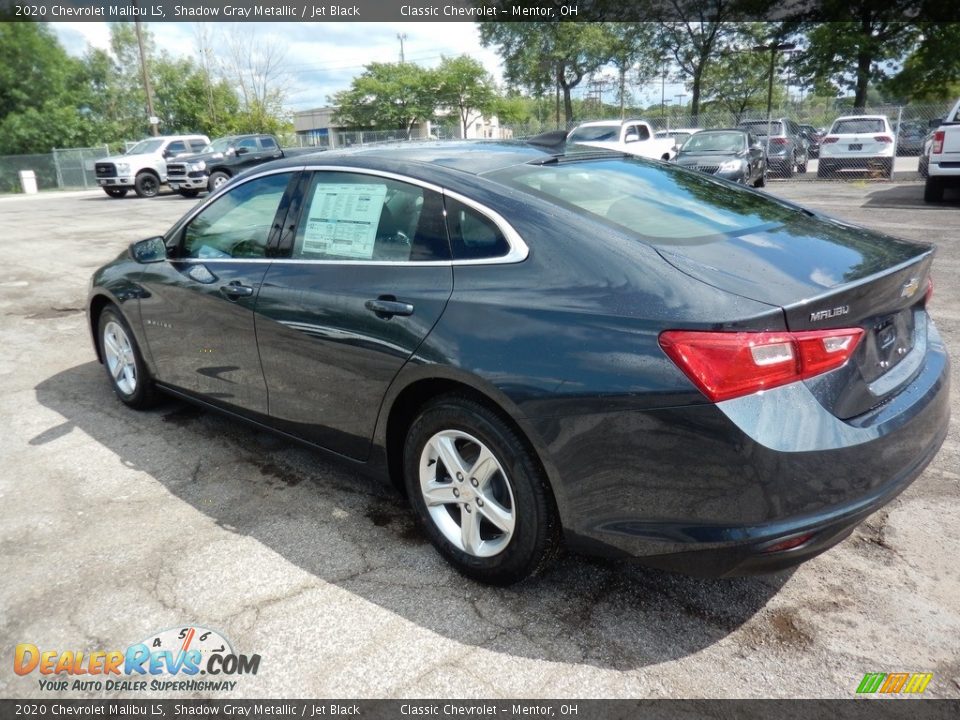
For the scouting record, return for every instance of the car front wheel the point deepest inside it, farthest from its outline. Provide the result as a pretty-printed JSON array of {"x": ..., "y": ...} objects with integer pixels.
[
  {"x": 479, "y": 493},
  {"x": 216, "y": 180},
  {"x": 123, "y": 362},
  {"x": 147, "y": 185}
]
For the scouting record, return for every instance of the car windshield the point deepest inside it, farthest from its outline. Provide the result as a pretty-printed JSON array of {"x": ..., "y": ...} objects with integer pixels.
[
  {"x": 730, "y": 142},
  {"x": 218, "y": 146},
  {"x": 659, "y": 204},
  {"x": 145, "y": 147},
  {"x": 857, "y": 125},
  {"x": 759, "y": 127},
  {"x": 594, "y": 133}
]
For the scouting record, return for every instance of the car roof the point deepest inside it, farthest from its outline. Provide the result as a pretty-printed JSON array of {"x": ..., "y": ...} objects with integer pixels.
[
  {"x": 609, "y": 123},
  {"x": 475, "y": 157},
  {"x": 862, "y": 117}
]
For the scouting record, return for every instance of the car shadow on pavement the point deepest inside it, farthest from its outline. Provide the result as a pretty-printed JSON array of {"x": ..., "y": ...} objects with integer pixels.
[
  {"x": 910, "y": 197},
  {"x": 358, "y": 534}
]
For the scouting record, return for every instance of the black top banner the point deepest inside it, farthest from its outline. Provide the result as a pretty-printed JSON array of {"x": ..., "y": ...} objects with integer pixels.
[
  {"x": 477, "y": 10},
  {"x": 430, "y": 709}
]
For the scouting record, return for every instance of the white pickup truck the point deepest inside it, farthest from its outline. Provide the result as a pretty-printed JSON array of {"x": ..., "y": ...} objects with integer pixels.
[
  {"x": 944, "y": 165},
  {"x": 634, "y": 137}
]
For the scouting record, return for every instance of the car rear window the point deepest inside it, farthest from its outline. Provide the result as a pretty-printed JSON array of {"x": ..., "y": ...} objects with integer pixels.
[
  {"x": 659, "y": 204},
  {"x": 859, "y": 125},
  {"x": 759, "y": 127},
  {"x": 595, "y": 133}
]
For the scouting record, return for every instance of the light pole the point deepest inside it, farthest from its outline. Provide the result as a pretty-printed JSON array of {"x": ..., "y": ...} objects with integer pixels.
[
  {"x": 401, "y": 37},
  {"x": 680, "y": 98},
  {"x": 773, "y": 49}
]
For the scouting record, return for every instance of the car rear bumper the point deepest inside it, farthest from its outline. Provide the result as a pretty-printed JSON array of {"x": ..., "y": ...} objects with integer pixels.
[
  {"x": 855, "y": 164},
  {"x": 712, "y": 489},
  {"x": 944, "y": 169}
]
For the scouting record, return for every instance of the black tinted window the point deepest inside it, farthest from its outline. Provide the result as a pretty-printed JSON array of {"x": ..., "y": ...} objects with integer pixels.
[
  {"x": 248, "y": 143},
  {"x": 349, "y": 216},
  {"x": 268, "y": 143},
  {"x": 238, "y": 224},
  {"x": 176, "y": 147},
  {"x": 472, "y": 235}
]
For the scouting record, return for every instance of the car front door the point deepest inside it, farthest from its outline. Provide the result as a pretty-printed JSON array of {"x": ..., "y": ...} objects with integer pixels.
[
  {"x": 365, "y": 277},
  {"x": 197, "y": 311}
]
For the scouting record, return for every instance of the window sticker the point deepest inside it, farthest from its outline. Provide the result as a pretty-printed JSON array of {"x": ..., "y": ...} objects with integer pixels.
[{"x": 343, "y": 220}]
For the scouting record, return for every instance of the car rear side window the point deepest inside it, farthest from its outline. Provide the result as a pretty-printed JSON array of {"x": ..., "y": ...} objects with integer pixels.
[
  {"x": 368, "y": 218},
  {"x": 238, "y": 224},
  {"x": 248, "y": 143},
  {"x": 473, "y": 236},
  {"x": 268, "y": 143}
]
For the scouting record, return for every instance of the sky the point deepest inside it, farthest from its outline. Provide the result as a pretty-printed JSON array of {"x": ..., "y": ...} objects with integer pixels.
[{"x": 323, "y": 58}]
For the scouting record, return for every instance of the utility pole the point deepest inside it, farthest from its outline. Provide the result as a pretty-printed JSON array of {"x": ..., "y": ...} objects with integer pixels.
[
  {"x": 401, "y": 37},
  {"x": 145, "y": 71}
]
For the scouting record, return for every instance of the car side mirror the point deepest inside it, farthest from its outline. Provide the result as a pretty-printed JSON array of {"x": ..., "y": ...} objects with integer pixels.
[
  {"x": 151, "y": 250},
  {"x": 242, "y": 150},
  {"x": 631, "y": 137}
]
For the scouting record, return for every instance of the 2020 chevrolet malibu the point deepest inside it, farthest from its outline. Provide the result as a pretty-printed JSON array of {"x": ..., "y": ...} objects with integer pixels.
[{"x": 542, "y": 346}]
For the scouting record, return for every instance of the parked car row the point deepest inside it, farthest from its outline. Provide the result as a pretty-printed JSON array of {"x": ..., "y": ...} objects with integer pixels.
[{"x": 189, "y": 164}]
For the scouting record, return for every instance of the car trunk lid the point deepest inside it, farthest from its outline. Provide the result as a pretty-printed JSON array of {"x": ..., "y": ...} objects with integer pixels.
[{"x": 823, "y": 276}]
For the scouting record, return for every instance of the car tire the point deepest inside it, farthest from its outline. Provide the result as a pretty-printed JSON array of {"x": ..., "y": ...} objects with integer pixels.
[
  {"x": 216, "y": 180},
  {"x": 933, "y": 190},
  {"x": 189, "y": 193},
  {"x": 761, "y": 181},
  {"x": 498, "y": 526},
  {"x": 802, "y": 167},
  {"x": 115, "y": 192},
  {"x": 147, "y": 185},
  {"x": 788, "y": 169},
  {"x": 123, "y": 361},
  {"x": 822, "y": 170}
]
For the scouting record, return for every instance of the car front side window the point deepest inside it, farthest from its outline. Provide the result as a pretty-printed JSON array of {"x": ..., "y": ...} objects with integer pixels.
[{"x": 238, "y": 224}]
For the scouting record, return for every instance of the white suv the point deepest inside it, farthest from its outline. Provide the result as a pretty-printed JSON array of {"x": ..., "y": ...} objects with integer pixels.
[
  {"x": 857, "y": 144},
  {"x": 143, "y": 168}
]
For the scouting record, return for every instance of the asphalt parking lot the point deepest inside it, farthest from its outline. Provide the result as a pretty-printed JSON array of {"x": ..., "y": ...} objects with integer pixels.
[{"x": 115, "y": 525}]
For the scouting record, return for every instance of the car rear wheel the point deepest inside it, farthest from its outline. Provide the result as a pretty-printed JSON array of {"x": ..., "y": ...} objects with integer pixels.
[
  {"x": 115, "y": 192},
  {"x": 479, "y": 493},
  {"x": 933, "y": 190},
  {"x": 216, "y": 180},
  {"x": 147, "y": 185},
  {"x": 761, "y": 181},
  {"x": 788, "y": 168},
  {"x": 802, "y": 167},
  {"x": 123, "y": 362}
]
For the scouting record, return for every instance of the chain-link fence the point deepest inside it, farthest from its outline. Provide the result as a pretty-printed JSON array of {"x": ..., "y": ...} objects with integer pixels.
[{"x": 60, "y": 170}]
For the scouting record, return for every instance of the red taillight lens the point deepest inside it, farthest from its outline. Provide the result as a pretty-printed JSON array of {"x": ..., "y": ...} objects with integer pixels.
[
  {"x": 883, "y": 138},
  {"x": 778, "y": 141},
  {"x": 726, "y": 365},
  {"x": 938, "y": 141},
  {"x": 827, "y": 140}
]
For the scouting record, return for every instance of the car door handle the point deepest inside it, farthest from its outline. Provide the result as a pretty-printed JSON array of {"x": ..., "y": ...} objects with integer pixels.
[
  {"x": 235, "y": 290},
  {"x": 386, "y": 307}
]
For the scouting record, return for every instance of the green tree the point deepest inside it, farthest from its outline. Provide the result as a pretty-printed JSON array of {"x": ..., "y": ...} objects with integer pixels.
[
  {"x": 696, "y": 40},
  {"x": 932, "y": 70},
  {"x": 632, "y": 47},
  {"x": 852, "y": 55},
  {"x": 537, "y": 56},
  {"x": 38, "y": 91},
  {"x": 387, "y": 95},
  {"x": 737, "y": 79},
  {"x": 463, "y": 84}
]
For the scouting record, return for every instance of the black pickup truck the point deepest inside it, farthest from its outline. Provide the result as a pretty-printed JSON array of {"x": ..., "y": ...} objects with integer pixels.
[{"x": 219, "y": 161}]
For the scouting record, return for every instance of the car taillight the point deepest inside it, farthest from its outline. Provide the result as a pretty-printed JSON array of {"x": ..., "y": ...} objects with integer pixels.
[
  {"x": 928, "y": 295},
  {"x": 938, "y": 141},
  {"x": 778, "y": 141},
  {"x": 883, "y": 138},
  {"x": 726, "y": 365},
  {"x": 827, "y": 140}
]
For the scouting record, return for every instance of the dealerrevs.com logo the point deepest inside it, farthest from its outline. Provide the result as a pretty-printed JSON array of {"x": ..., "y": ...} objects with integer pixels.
[
  {"x": 894, "y": 683},
  {"x": 179, "y": 659}
]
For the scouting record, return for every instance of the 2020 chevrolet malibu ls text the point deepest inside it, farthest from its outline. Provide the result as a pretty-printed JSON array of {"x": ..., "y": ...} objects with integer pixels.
[{"x": 538, "y": 347}]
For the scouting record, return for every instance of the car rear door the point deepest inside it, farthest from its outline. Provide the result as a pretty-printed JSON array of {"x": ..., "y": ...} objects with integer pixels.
[
  {"x": 197, "y": 309},
  {"x": 365, "y": 277}
]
